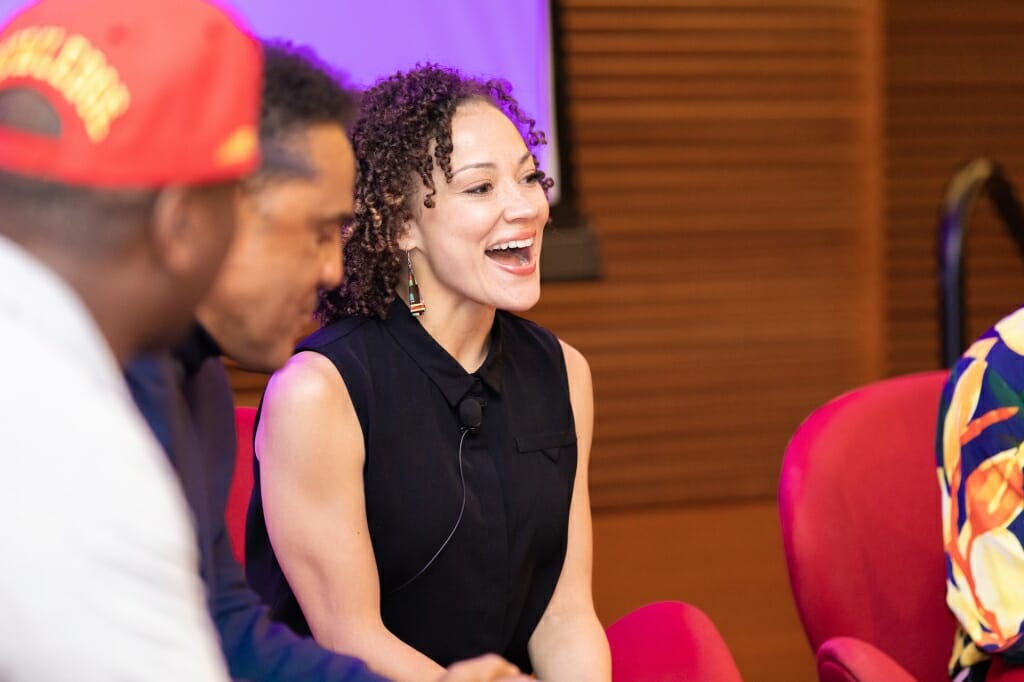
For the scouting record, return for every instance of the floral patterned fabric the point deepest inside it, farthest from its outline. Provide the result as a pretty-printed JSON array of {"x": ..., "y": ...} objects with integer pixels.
[{"x": 980, "y": 460}]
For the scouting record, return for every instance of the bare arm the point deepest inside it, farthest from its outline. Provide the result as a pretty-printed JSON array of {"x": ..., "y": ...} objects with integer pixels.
[
  {"x": 310, "y": 447},
  {"x": 569, "y": 642}
]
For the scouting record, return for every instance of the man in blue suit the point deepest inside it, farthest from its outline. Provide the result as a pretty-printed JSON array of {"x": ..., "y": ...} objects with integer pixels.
[{"x": 292, "y": 223}]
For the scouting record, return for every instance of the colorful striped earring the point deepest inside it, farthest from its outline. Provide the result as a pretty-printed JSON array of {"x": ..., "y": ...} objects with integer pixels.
[{"x": 416, "y": 306}]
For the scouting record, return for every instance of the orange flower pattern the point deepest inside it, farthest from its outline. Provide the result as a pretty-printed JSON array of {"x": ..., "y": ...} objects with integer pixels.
[{"x": 980, "y": 452}]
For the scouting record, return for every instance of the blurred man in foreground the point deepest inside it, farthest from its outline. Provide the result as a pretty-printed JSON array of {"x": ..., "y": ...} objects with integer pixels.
[{"x": 124, "y": 128}]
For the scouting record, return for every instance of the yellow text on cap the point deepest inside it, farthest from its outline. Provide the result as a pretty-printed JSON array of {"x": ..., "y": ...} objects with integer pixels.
[{"x": 73, "y": 67}]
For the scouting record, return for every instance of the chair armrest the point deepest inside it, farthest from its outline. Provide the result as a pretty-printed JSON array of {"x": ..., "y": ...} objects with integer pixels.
[
  {"x": 848, "y": 659},
  {"x": 669, "y": 641}
]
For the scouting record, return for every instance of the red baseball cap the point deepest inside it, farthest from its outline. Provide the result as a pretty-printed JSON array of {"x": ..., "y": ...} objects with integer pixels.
[{"x": 146, "y": 92}]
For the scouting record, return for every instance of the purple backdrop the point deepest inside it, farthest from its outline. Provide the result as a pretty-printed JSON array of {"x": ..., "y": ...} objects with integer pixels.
[{"x": 369, "y": 39}]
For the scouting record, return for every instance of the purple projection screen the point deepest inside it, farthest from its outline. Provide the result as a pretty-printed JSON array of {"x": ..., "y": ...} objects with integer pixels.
[{"x": 369, "y": 39}]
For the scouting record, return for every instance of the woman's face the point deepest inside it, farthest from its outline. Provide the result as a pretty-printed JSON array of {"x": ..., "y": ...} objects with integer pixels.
[{"x": 481, "y": 241}]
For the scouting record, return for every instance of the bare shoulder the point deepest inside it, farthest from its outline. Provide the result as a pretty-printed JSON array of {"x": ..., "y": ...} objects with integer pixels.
[
  {"x": 308, "y": 378},
  {"x": 581, "y": 395},
  {"x": 307, "y": 410},
  {"x": 576, "y": 364}
]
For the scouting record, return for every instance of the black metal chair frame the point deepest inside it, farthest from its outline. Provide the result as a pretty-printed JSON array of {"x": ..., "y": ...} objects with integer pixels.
[{"x": 977, "y": 177}]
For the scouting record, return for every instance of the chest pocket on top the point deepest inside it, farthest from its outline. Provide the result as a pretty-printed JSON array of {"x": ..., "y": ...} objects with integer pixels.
[{"x": 551, "y": 444}]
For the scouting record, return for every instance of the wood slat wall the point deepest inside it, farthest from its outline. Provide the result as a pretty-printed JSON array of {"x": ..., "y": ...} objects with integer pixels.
[
  {"x": 727, "y": 153},
  {"x": 955, "y": 91},
  {"x": 724, "y": 153}
]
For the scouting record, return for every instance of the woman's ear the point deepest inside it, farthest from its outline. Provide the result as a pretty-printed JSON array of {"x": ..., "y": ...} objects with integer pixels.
[{"x": 409, "y": 238}]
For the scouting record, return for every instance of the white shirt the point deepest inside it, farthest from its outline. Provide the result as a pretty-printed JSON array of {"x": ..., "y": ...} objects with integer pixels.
[{"x": 98, "y": 563}]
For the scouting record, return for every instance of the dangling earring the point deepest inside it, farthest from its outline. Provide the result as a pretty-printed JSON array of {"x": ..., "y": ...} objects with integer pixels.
[{"x": 416, "y": 306}]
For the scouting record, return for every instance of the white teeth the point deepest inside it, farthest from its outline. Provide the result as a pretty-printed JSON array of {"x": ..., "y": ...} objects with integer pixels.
[{"x": 514, "y": 244}]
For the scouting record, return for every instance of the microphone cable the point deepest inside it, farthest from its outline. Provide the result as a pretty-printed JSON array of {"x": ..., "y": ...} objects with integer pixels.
[{"x": 462, "y": 510}]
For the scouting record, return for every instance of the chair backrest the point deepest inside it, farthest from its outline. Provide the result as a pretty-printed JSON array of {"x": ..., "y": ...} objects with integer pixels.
[
  {"x": 669, "y": 642},
  {"x": 241, "y": 481},
  {"x": 860, "y": 512}
]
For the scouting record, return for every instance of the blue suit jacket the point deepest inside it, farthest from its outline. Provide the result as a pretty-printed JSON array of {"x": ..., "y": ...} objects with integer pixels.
[{"x": 187, "y": 400}]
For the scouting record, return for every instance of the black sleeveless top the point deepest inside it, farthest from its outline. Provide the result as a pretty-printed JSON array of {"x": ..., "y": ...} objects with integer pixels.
[{"x": 486, "y": 591}]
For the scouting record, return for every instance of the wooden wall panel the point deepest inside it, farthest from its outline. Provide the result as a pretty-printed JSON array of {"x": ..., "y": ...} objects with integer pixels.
[
  {"x": 727, "y": 154},
  {"x": 703, "y": 554},
  {"x": 723, "y": 152},
  {"x": 955, "y": 91}
]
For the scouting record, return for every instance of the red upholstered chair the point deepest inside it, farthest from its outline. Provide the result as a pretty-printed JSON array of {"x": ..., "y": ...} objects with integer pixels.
[
  {"x": 859, "y": 505},
  {"x": 1000, "y": 673},
  {"x": 241, "y": 482},
  {"x": 848, "y": 659},
  {"x": 669, "y": 642}
]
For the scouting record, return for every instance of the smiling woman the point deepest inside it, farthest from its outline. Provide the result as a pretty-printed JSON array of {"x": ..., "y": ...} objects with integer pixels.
[
  {"x": 462, "y": 248},
  {"x": 422, "y": 490}
]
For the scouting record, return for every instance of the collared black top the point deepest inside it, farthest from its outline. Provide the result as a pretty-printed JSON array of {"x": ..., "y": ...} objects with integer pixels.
[{"x": 488, "y": 588}]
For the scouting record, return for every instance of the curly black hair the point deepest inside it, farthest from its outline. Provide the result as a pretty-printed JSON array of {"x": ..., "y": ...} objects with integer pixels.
[
  {"x": 299, "y": 91},
  {"x": 399, "y": 118}
]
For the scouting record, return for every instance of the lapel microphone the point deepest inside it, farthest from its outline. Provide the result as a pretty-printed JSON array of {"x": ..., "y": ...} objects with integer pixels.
[{"x": 471, "y": 413}]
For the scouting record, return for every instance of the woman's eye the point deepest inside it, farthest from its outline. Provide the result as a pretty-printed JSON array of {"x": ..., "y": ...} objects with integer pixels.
[
  {"x": 479, "y": 189},
  {"x": 534, "y": 177}
]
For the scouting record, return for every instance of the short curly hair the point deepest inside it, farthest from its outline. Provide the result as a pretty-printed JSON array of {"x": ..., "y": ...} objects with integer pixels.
[
  {"x": 299, "y": 91},
  {"x": 399, "y": 118}
]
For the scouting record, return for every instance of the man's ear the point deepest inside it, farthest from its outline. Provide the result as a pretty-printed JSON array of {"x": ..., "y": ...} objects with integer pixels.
[
  {"x": 190, "y": 223},
  {"x": 169, "y": 231},
  {"x": 247, "y": 204}
]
